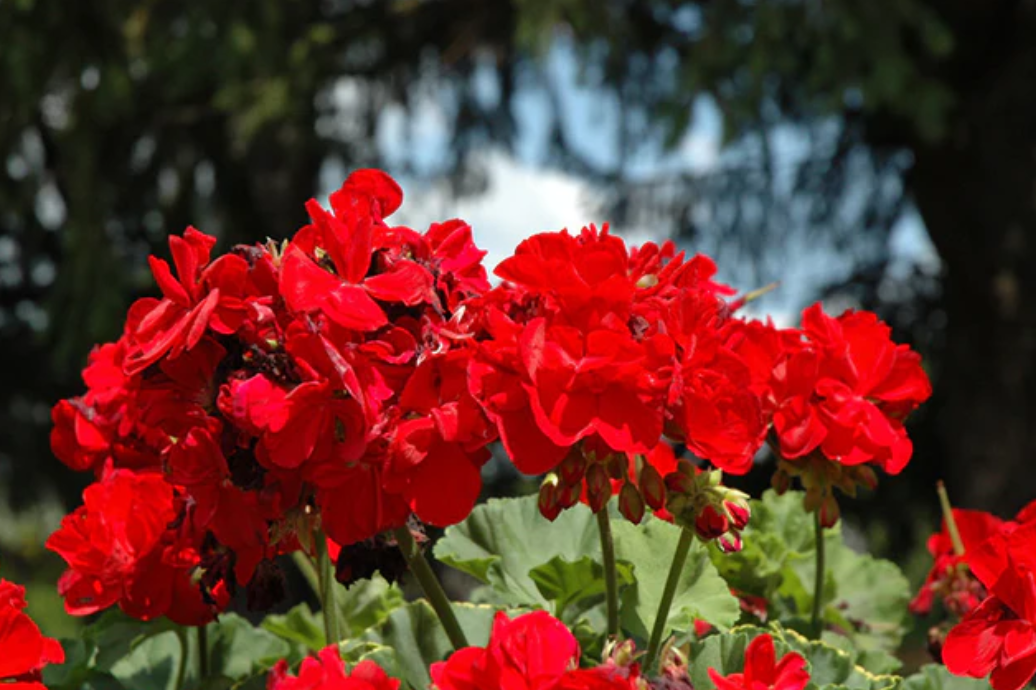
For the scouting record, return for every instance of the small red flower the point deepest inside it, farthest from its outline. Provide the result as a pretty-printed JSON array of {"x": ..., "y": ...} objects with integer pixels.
[
  {"x": 25, "y": 650},
  {"x": 763, "y": 671},
  {"x": 327, "y": 672}
]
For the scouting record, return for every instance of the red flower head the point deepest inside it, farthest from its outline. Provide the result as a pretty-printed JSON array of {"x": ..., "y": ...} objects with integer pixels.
[
  {"x": 846, "y": 391},
  {"x": 998, "y": 638},
  {"x": 25, "y": 650},
  {"x": 763, "y": 671},
  {"x": 535, "y": 651},
  {"x": 327, "y": 672},
  {"x": 120, "y": 549}
]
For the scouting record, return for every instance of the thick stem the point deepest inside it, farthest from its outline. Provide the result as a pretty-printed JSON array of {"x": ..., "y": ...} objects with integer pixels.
[
  {"x": 611, "y": 582},
  {"x": 309, "y": 572},
  {"x": 203, "y": 653},
  {"x": 951, "y": 523},
  {"x": 662, "y": 615},
  {"x": 818, "y": 578},
  {"x": 185, "y": 651},
  {"x": 430, "y": 584},
  {"x": 326, "y": 578}
]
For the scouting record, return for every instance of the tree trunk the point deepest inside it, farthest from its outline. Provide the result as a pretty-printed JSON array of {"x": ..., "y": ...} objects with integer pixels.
[{"x": 976, "y": 191}]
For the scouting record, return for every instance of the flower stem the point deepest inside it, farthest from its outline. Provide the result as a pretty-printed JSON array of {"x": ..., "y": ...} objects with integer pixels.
[
  {"x": 185, "y": 651},
  {"x": 203, "y": 653},
  {"x": 611, "y": 583},
  {"x": 818, "y": 577},
  {"x": 430, "y": 584},
  {"x": 662, "y": 616},
  {"x": 947, "y": 515},
  {"x": 326, "y": 579}
]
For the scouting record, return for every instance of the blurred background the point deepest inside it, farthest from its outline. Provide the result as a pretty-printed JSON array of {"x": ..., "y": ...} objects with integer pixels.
[{"x": 879, "y": 154}]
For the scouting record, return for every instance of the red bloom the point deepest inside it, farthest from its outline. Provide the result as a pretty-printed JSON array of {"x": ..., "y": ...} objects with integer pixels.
[
  {"x": 535, "y": 651},
  {"x": 120, "y": 549},
  {"x": 998, "y": 638},
  {"x": 327, "y": 672},
  {"x": 763, "y": 671},
  {"x": 25, "y": 650},
  {"x": 846, "y": 391}
]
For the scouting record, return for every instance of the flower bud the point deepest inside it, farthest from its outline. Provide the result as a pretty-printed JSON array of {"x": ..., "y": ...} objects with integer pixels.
[
  {"x": 631, "y": 504},
  {"x": 550, "y": 499},
  {"x": 829, "y": 511},
  {"x": 739, "y": 512},
  {"x": 729, "y": 542},
  {"x": 866, "y": 476},
  {"x": 598, "y": 487},
  {"x": 617, "y": 466},
  {"x": 781, "y": 482},
  {"x": 572, "y": 467},
  {"x": 569, "y": 494},
  {"x": 678, "y": 483},
  {"x": 652, "y": 487},
  {"x": 710, "y": 523}
]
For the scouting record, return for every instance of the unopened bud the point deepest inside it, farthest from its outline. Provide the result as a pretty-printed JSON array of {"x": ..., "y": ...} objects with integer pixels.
[
  {"x": 572, "y": 467},
  {"x": 710, "y": 523},
  {"x": 739, "y": 512},
  {"x": 550, "y": 499},
  {"x": 621, "y": 653},
  {"x": 729, "y": 542},
  {"x": 652, "y": 487},
  {"x": 631, "y": 504},
  {"x": 569, "y": 494},
  {"x": 678, "y": 483},
  {"x": 617, "y": 466},
  {"x": 598, "y": 487},
  {"x": 781, "y": 482},
  {"x": 866, "y": 476},
  {"x": 812, "y": 500},
  {"x": 829, "y": 511}
]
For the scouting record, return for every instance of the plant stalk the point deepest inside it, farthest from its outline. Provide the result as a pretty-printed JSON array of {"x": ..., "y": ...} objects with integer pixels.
[
  {"x": 947, "y": 515},
  {"x": 818, "y": 577},
  {"x": 431, "y": 587},
  {"x": 203, "y": 653},
  {"x": 185, "y": 651},
  {"x": 611, "y": 583},
  {"x": 662, "y": 616},
  {"x": 326, "y": 579}
]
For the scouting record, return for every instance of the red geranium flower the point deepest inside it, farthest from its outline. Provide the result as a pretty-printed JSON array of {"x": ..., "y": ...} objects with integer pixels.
[
  {"x": 327, "y": 672},
  {"x": 998, "y": 638},
  {"x": 25, "y": 650},
  {"x": 763, "y": 671}
]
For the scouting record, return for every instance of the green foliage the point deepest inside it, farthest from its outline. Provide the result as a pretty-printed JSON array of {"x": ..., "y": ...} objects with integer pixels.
[
  {"x": 700, "y": 592},
  {"x": 864, "y": 597},
  {"x": 936, "y": 677},
  {"x": 575, "y": 587}
]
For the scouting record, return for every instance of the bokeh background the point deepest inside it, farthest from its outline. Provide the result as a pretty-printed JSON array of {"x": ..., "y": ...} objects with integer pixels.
[{"x": 879, "y": 154}]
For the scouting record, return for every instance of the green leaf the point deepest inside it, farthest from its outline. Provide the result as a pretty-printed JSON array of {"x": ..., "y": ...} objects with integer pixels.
[
  {"x": 238, "y": 650},
  {"x": 367, "y": 603},
  {"x": 578, "y": 583},
  {"x": 864, "y": 597},
  {"x": 154, "y": 664},
  {"x": 299, "y": 626},
  {"x": 418, "y": 639},
  {"x": 700, "y": 593},
  {"x": 504, "y": 539},
  {"x": 936, "y": 677}
]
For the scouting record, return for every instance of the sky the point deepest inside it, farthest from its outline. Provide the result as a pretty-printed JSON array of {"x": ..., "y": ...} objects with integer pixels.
[{"x": 523, "y": 196}]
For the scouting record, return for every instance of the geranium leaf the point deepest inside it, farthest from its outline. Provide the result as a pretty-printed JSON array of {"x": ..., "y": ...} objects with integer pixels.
[
  {"x": 504, "y": 539},
  {"x": 700, "y": 594},
  {"x": 577, "y": 583},
  {"x": 299, "y": 626},
  {"x": 936, "y": 677},
  {"x": 238, "y": 650},
  {"x": 367, "y": 603}
]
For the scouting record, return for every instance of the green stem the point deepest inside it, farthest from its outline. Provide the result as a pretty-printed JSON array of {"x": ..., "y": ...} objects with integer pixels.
[
  {"x": 611, "y": 583},
  {"x": 818, "y": 577},
  {"x": 662, "y": 616},
  {"x": 305, "y": 565},
  {"x": 203, "y": 653},
  {"x": 185, "y": 651},
  {"x": 326, "y": 578},
  {"x": 430, "y": 584},
  {"x": 947, "y": 514}
]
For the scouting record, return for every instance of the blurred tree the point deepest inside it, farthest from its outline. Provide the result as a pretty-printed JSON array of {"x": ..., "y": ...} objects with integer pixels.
[{"x": 121, "y": 122}]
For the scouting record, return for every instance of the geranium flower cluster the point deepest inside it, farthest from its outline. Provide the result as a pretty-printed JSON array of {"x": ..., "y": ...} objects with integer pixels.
[
  {"x": 25, "y": 650},
  {"x": 990, "y": 588},
  {"x": 355, "y": 374},
  {"x": 317, "y": 382}
]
